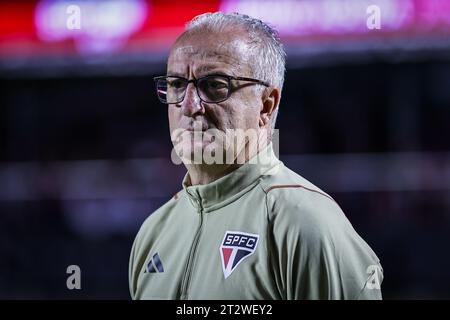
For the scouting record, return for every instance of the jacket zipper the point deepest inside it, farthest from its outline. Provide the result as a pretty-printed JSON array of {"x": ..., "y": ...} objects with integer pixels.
[{"x": 190, "y": 262}]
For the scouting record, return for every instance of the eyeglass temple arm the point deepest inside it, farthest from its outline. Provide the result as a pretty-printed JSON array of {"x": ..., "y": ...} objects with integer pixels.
[{"x": 251, "y": 80}]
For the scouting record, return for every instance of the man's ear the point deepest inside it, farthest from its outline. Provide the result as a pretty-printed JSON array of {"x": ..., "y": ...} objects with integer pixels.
[{"x": 270, "y": 101}]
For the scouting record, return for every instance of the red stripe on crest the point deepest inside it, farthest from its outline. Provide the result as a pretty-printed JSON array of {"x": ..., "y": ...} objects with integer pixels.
[{"x": 226, "y": 255}]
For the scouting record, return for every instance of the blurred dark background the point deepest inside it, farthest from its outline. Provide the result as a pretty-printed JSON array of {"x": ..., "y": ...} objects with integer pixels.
[{"x": 85, "y": 158}]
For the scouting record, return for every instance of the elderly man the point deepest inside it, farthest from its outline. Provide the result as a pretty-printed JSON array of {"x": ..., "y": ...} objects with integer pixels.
[{"x": 244, "y": 226}]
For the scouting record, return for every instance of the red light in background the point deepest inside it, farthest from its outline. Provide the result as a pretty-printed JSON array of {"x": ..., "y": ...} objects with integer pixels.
[
  {"x": 16, "y": 20},
  {"x": 175, "y": 13}
]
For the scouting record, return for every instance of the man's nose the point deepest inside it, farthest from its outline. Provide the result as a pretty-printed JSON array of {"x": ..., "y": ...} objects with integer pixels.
[{"x": 191, "y": 105}]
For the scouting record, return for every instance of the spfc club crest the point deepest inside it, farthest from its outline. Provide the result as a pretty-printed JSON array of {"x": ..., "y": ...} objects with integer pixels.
[{"x": 236, "y": 246}]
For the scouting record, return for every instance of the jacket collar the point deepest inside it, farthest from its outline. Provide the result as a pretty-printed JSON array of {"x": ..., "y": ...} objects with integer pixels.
[{"x": 212, "y": 196}]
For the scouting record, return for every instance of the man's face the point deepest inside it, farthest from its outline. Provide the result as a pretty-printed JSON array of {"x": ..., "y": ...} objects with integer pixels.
[{"x": 200, "y": 54}]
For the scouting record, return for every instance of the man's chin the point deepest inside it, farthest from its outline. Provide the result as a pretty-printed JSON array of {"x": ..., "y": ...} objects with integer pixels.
[{"x": 201, "y": 152}]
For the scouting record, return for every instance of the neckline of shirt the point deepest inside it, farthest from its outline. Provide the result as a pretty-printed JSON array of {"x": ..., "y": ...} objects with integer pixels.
[{"x": 222, "y": 191}]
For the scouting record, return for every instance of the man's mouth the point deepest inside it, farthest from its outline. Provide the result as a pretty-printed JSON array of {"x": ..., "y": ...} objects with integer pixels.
[{"x": 197, "y": 128}]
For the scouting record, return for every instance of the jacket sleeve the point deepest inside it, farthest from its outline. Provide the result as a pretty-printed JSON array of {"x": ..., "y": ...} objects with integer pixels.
[
  {"x": 318, "y": 253},
  {"x": 137, "y": 260},
  {"x": 131, "y": 272}
]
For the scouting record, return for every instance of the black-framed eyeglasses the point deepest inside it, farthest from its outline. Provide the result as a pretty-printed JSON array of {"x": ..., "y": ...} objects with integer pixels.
[{"x": 213, "y": 88}]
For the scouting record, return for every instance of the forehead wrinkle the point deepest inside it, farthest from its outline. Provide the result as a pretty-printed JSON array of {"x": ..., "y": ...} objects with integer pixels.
[
  {"x": 234, "y": 53},
  {"x": 206, "y": 54},
  {"x": 216, "y": 60}
]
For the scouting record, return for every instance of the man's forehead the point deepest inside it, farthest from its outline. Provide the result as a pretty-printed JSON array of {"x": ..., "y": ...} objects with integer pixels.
[
  {"x": 207, "y": 53},
  {"x": 235, "y": 52}
]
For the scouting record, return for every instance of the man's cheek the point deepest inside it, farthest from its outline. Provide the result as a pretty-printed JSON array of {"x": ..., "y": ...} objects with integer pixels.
[
  {"x": 174, "y": 121},
  {"x": 238, "y": 115},
  {"x": 215, "y": 116},
  {"x": 174, "y": 112}
]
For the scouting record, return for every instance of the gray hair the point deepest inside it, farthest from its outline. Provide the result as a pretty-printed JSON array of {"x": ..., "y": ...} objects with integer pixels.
[{"x": 269, "y": 56}]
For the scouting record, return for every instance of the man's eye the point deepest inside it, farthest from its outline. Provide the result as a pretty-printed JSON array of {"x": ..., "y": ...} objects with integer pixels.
[
  {"x": 176, "y": 84},
  {"x": 216, "y": 84}
]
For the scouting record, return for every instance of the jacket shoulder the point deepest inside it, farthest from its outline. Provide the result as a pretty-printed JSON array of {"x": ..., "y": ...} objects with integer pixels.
[
  {"x": 157, "y": 218},
  {"x": 293, "y": 189},
  {"x": 310, "y": 226},
  {"x": 294, "y": 203}
]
